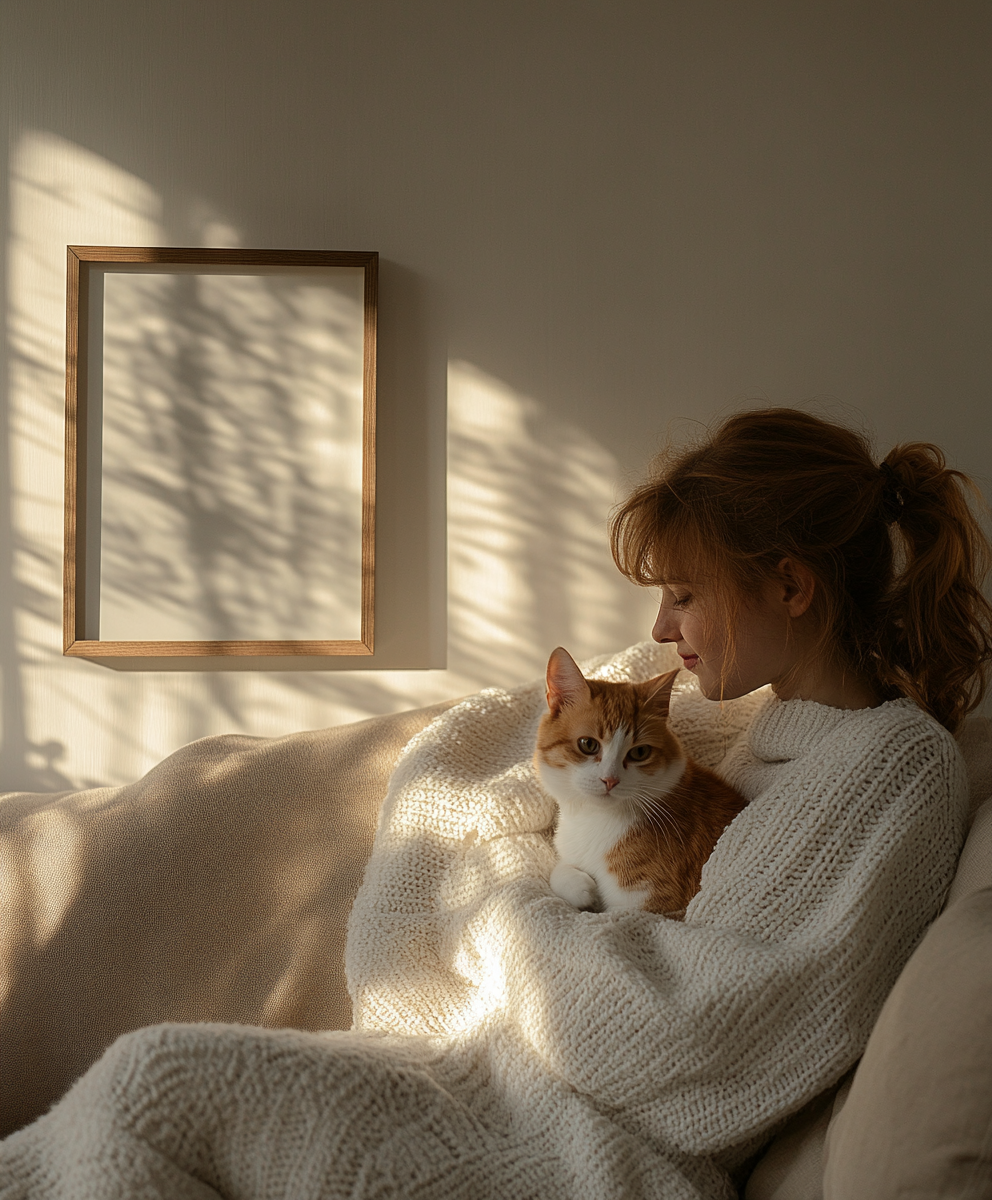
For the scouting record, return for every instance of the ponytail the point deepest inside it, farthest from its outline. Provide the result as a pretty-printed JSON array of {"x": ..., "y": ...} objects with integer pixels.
[
  {"x": 935, "y": 631},
  {"x": 897, "y": 554}
]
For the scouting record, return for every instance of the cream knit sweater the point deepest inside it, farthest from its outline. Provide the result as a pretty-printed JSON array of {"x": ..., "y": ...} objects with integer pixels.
[{"x": 507, "y": 1046}]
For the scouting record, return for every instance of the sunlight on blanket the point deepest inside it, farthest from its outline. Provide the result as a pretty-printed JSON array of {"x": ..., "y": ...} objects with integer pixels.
[{"x": 483, "y": 965}]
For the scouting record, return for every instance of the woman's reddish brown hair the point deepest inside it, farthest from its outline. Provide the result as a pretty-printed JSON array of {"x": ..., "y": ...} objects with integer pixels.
[{"x": 897, "y": 555}]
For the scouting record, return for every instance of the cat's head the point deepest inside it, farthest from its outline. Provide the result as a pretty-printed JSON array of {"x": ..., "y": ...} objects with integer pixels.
[{"x": 606, "y": 744}]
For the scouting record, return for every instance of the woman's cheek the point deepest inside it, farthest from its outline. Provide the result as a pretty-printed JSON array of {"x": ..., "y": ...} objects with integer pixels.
[{"x": 693, "y": 635}]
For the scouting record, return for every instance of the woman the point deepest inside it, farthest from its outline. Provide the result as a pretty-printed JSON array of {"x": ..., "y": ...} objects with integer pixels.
[
  {"x": 506, "y": 1045},
  {"x": 781, "y": 506}
]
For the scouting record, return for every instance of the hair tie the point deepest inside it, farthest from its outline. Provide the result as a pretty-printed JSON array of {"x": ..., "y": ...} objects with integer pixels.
[{"x": 892, "y": 494}]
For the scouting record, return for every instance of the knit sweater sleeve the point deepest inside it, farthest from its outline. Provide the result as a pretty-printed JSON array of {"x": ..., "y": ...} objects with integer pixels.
[{"x": 700, "y": 1034}]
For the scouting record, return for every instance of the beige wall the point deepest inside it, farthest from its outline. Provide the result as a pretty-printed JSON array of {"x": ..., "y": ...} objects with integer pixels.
[{"x": 594, "y": 219}]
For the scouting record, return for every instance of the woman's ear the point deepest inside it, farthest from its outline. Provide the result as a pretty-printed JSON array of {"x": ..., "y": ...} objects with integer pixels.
[{"x": 797, "y": 584}]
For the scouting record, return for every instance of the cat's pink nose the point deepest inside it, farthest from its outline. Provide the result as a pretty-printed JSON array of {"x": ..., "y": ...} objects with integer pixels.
[{"x": 611, "y": 782}]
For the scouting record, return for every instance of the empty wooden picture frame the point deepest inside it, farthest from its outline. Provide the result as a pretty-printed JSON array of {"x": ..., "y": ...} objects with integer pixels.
[{"x": 220, "y": 453}]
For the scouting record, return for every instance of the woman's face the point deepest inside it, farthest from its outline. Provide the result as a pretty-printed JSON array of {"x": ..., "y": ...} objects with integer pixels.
[{"x": 765, "y": 647}]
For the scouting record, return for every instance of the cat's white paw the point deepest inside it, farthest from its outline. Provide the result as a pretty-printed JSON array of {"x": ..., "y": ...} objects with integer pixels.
[{"x": 575, "y": 886}]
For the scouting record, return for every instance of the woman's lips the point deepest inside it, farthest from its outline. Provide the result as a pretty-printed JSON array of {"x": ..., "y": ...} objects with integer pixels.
[{"x": 689, "y": 660}]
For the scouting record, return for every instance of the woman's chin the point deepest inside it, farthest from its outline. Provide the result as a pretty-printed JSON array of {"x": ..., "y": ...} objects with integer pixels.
[{"x": 723, "y": 689}]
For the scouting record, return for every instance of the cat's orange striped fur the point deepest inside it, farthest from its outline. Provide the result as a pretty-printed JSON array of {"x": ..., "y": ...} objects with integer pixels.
[{"x": 637, "y": 818}]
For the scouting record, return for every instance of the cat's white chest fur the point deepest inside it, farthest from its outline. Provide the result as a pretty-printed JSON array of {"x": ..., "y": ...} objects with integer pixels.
[{"x": 581, "y": 876}]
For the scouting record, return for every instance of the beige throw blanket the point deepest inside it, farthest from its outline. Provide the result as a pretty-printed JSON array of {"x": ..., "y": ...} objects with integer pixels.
[{"x": 507, "y": 1045}]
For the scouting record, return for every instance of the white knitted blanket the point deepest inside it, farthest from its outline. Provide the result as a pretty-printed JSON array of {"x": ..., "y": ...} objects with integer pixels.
[{"x": 508, "y": 1046}]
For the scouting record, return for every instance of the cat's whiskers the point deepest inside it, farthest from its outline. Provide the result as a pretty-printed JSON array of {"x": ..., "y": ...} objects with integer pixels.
[
  {"x": 653, "y": 807},
  {"x": 663, "y": 828},
  {"x": 662, "y": 820}
]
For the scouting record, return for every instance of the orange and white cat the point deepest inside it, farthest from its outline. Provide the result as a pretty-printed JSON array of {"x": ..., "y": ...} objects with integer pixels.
[{"x": 637, "y": 817}]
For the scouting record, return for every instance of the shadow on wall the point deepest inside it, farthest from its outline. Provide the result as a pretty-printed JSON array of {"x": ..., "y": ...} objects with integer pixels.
[
  {"x": 528, "y": 501},
  {"x": 59, "y": 193},
  {"x": 529, "y": 561}
]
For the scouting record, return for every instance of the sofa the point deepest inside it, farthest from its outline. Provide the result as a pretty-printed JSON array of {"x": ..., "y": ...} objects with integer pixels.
[{"x": 217, "y": 888}]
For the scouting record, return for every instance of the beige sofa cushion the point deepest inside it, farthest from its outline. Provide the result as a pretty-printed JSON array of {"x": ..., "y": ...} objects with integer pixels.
[
  {"x": 792, "y": 1166},
  {"x": 216, "y": 888},
  {"x": 918, "y": 1120}
]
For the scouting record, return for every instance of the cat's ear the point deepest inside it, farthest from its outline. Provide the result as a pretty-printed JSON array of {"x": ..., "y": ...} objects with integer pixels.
[
  {"x": 566, "y": 683},
  {"x": 658, "y": 691}
]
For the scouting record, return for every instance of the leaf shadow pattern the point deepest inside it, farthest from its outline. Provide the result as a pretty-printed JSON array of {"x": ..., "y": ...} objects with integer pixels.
[{"x": 231, "y": 503}]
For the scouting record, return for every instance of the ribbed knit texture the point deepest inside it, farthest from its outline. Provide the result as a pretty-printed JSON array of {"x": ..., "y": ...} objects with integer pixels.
[{"x": 508, "y": 1046}]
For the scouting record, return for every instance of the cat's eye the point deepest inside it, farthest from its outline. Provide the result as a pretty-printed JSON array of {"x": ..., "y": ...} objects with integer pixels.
[
  {"x": 588, "y": 745},
  {"x": 639, "y": 753}
]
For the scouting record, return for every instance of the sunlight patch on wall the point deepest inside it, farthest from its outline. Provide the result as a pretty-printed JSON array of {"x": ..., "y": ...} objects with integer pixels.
[
  {"x": 60, "y": 194},
  {"x": 529, "y": 497},
  {"x": 68, "y": 723}
]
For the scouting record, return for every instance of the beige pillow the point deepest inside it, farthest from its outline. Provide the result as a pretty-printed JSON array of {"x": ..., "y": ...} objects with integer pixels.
[
  {"x": 918, "y": 1120},
  {"x": 216, "y": 888},
  {"x": 975, "y": 739},
  {"x": 975, "y": 864}
]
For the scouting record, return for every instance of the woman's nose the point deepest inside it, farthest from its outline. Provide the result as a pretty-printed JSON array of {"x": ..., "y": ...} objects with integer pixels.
[{"x": 665, "y": 629}]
